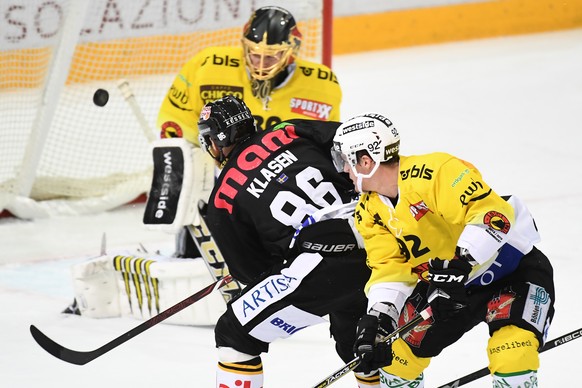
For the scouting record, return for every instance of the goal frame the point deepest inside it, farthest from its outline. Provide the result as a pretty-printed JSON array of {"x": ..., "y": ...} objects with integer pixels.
[{"x": 19, "y": 191}]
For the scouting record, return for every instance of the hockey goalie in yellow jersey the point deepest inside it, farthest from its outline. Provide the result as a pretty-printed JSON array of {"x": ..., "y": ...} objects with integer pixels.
[{"x": 266, "y": 72}]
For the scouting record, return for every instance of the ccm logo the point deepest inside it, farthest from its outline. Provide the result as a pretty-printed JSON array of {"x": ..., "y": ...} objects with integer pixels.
[{"x": 442, "y": 278}]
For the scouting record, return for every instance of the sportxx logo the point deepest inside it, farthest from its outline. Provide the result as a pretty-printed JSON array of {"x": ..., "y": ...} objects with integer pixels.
[{"x": 311, "y": 108}]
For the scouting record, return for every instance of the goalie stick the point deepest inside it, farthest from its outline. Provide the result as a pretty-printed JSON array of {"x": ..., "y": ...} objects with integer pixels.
[
  {"x": 350, "y": 366},
  {"x": 200, "y": 234},
  {"x": 83, "y": 357},
  {"x": 127, "y": 93},
  {"x": 211, "y": 254},
  {"x": 485, "y": 371}
]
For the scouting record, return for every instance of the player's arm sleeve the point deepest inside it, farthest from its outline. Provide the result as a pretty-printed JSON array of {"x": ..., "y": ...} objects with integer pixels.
[
  {"x": 391, "y": 279},
  {"x": 464, "y": 198},
  {"x": 180, "y": 110},
  {"x": 319, "y": 132}
]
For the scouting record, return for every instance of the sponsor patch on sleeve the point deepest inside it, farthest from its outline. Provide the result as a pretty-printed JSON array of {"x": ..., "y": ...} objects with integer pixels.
[
  {"x": 537, "y": 306},
  {"x": 310, "y": 108}
]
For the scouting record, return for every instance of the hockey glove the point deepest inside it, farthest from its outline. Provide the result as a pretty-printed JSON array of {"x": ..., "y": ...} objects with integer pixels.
[
  {"x": 446, "y": 291},
  {"x": 371, "y": 329}
]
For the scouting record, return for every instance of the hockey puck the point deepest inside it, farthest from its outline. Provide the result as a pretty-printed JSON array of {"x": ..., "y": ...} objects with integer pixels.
[{"x": 100, "y": 97}]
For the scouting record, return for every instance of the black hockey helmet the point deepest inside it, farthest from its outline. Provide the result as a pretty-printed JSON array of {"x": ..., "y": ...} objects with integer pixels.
[
  {"x": 226, "y": 121},
  {"x": 270, "y": 32}
]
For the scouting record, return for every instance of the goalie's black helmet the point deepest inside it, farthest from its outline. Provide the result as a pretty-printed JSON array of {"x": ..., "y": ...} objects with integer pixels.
[
  {"x": 270, "y": 32},
  {"x": 226, "y": 121}
]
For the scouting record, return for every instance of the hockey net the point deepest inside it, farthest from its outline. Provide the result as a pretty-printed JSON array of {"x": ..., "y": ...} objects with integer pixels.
[{"x": 60, "y": 153}]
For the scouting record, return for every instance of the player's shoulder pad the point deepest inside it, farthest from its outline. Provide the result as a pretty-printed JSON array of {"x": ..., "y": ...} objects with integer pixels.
[
  {"x": 424, "y": 166},
  {"x": 320, "y": 132},
  {"x": 316, "y": 72}
]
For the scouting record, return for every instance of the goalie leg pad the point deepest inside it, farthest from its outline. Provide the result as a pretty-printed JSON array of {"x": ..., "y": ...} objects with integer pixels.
[
  {"x": 513, "y": 350},
  {"x": 95, "y": 287}
]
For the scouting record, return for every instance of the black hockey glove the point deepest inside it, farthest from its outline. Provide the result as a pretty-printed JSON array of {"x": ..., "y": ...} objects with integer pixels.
[
  {"x": 369, "y": 345},
  {"x": 446, "y": 291}
]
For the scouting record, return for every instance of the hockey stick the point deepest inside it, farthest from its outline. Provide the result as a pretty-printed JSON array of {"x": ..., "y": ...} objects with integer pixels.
[
  {"x": 350, "y": 366},
  {"x": 485, "y": 371},
  {"x": 83, "y": 357},
  {"x": 200, "y": 234},
  {"x": 211, "y": 254},
  {"x": 127, "y": 92}
]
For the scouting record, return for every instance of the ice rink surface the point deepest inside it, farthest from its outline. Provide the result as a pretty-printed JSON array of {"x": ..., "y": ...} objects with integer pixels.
[{"x": 512, "y": 106}]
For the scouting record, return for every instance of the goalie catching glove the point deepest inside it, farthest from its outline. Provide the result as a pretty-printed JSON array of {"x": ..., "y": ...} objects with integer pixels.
[
  {"x": 370, "y": 345},
  {"x": 446, "y": 291}
]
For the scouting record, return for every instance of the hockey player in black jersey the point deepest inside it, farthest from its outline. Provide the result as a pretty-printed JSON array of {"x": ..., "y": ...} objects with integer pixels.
[{"x": 282, "y": 218}]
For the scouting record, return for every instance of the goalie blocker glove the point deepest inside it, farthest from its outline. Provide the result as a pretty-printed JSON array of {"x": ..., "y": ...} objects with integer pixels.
[
  {"x": 446, "y": 291},
  {"x": 370, "y": 345}
]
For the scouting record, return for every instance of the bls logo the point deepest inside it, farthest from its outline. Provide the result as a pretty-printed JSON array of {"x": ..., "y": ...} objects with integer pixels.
[
  {"x": 223, "y": 61},
  {"x": 237, "y": 383}
]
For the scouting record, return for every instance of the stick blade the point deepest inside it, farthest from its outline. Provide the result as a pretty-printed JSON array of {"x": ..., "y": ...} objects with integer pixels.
[{"x": 59, "y": 351}]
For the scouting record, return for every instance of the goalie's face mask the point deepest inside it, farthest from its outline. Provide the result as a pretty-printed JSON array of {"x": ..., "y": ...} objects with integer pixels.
[
  {"x": 223, "y": 123},
  {"x": 270, "y": 41}
]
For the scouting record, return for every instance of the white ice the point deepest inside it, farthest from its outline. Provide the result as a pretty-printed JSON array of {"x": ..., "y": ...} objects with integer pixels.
[{"x": 512, "y": 106}]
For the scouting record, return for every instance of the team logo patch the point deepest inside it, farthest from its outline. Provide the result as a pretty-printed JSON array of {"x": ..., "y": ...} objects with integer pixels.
[
  {"x": 500, "y": 307},
  {"x": 418, "y": 210},
  {"x": 415, "y": 336},
  {"x": 311, "y": 108},
  {"x": 421, "y": 271},
  {"x": 205, "y": 113},
  {"x": 497, "y": 221},
  {"x": 171, "y": 129}
]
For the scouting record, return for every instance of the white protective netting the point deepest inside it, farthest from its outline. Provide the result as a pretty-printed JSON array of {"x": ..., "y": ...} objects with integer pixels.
[{"x": 61, "y": 154}]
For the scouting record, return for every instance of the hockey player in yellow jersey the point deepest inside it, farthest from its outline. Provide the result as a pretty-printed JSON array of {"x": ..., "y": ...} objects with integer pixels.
[
  {"x": 265, "y": 72},
  {"x": 437, "y": 234}
]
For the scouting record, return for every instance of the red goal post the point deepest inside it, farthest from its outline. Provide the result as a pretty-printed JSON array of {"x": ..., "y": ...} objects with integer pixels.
[{"x": 62, "y": 155}]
